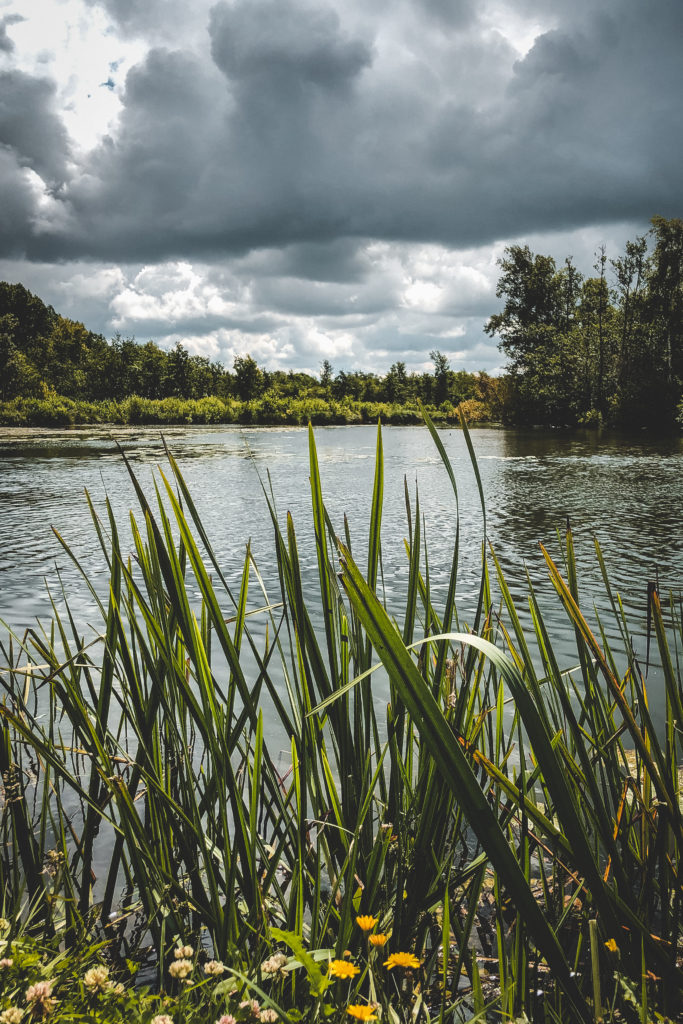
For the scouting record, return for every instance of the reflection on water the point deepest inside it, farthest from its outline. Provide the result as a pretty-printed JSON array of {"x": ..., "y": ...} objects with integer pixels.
[{"x": 624, "y": 491}]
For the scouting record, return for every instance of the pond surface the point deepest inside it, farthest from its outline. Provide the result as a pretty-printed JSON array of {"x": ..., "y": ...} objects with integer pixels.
[{"x": 626, "y": 491}]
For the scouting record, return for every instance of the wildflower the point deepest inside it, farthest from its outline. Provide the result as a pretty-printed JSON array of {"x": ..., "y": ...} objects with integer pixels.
[
  {"x": 251, "y": 1004},
  {"x": 11, "y": 1016},
  {"x": 402, "y": 960},
  {"x": 41, "y": 998},
  {"x": 162, "y": 1018},
  {"x": 6, "y": 961},
  {"x": 183, "y": 952},
  {"x": 180, "y": 968},
  {"x": 612, "y": 946},
  {"x": 268, "y": 1016},
  {"x": 214, "y": 967},
  {"x": 361, "y": 1012},
  {"x": 342, "y": 969},
  {"x": 366, "y": 922},
  {"x": 379, "y": 939},
  {"x": 96, "y": 979},
  {"x": 4, "y": 924},
  {"x": 116, "y": 990},
  {"x": 274, "y": 963},
  {"x": 227, "y": 1018}
]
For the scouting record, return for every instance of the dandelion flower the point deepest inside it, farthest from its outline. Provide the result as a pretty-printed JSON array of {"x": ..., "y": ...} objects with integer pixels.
[
  {"x": 361, "y": 1012},
  {"x": 180, "y": 968},
  {"x": 342, "y": 969},
  {"x": 612, "y": 946},
  {"x": 183, "y": 952},
  {"x": 214, "y": 967},
  {"x": 366, "y": 922},
  {"x": 379, "y": 939},
  {"x": 96, "y": 979},
  {"x": 401, "y": 960}
]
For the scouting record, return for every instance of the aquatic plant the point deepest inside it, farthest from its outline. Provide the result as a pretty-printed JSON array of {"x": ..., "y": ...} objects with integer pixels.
[{"x": 503, "y": 820}]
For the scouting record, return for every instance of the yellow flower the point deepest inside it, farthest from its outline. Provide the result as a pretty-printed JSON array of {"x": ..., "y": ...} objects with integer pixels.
[
  {"x": 402, "y": 960},
  {"x": 612, "y": 946},
  {"x": 361, "y": 1011},
  {"x": 342, "y": 969},
  {"x": 366, "y": 922},
  {"x": 379, "y": 939}
]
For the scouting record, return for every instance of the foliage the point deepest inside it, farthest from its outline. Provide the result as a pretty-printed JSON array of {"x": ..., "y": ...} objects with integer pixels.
[
  {"x": 483, "y": 804},
  {"x": 70, "y": 372},
  {"x": 582, "y": 352}
]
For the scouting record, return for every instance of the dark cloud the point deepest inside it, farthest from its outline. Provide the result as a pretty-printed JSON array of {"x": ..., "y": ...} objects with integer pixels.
[
  {"x": 16, "y": 205},
  {"x": 298, "y": 134},
  {"x": 7, "y": 44},
  {"x": 287, "y": 136},
  {"x": 342, "y": 260},
  {"x": 286, "y": 46},
  {"x": 29, "y": 125},
  {"x": 159, "y": 20}
]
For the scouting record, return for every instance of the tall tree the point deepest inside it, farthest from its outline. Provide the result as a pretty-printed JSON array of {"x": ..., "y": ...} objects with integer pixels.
[{"x": 441, "y": 371}]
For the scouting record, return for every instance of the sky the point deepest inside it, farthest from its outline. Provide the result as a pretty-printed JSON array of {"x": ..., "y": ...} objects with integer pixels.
[{"x": 326, "y": 180}]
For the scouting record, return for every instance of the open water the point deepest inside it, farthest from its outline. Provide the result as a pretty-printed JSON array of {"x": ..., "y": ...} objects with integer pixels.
[{"x": 626, "y": 491}]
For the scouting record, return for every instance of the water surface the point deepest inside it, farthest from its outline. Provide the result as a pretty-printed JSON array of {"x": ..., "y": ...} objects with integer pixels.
[{"x": 626, "y": 491}]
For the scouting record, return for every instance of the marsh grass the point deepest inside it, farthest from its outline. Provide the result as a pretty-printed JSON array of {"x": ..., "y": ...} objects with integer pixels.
[{"x": 516, "y": 826}]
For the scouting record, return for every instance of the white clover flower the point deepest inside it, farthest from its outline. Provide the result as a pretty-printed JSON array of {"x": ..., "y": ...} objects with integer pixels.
[
  {"x": 96, "y": 979},
  {"x": 12, "y": 1015},
  {"x": 40, "y": 995},
  {"x": 274, "y": 963},
  {"x": 214, "y": 967},
  {"x": 180, "y": 968},
  {"x": 183, "y": 952}
]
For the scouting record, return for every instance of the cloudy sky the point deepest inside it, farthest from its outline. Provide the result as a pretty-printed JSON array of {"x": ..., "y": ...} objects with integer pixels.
[{"x": 325, "y": 179}]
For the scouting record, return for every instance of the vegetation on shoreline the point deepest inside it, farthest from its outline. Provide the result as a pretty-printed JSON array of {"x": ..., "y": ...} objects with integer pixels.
[
  {"x": 512, "y": 826},
  {"x": 606, "y": 349},
  {"x": 57, "y": 411}
]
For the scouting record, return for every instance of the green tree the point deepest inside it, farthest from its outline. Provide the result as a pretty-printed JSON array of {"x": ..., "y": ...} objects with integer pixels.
[
  {"x": 326, "y": 373},
  {"x": 441, "y": 373},
  {"x": 249, "y": 379},
  {"x": 396, "y": 384}
]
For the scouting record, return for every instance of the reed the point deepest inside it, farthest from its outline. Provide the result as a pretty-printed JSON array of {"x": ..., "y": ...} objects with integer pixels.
[{"x": 508, "y": 822}]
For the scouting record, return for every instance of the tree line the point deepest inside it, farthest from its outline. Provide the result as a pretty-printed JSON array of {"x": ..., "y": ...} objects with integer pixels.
[
  {"x": 606, "y": 348},
  {"x": 581, "y": 350},
  {"x": 43, "y": 354}
]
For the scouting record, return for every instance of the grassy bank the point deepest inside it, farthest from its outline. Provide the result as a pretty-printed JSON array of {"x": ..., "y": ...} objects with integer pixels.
[
  {"x": 58, "y": 411},
  {"x": 473, "y": 832}
]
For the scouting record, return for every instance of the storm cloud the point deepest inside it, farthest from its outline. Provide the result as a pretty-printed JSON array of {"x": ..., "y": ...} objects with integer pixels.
[{"x": 337, "y": 173}]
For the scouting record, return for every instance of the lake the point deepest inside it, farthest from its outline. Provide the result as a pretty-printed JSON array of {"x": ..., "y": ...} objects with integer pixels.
[{"x": 627, "y": 491}]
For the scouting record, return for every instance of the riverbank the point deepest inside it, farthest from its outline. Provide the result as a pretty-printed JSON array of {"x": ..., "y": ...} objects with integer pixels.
[{"x": 59, "y": 411}]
